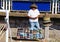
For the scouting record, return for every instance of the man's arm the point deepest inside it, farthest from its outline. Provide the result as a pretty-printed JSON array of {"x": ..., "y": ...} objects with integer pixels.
[
  {"x": 32, "y": 17},
  {"x": 37, "y": 17}
]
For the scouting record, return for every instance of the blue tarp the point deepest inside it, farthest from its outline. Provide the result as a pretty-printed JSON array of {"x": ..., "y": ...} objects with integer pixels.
[{"x": 42, "y": 6}]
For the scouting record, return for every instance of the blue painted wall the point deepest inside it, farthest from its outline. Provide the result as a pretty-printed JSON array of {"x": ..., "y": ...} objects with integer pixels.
[{"x": 42, "y": 6}]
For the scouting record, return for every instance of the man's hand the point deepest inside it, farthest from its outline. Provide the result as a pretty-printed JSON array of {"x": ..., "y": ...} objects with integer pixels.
[{"x": 35, "y": 18}]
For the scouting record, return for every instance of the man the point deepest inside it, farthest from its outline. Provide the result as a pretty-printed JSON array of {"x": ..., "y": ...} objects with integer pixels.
[{"x": 33, "y": 15}]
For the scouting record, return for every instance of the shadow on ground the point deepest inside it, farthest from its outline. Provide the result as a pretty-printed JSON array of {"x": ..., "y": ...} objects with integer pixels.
[{"x": 15, "y": 38}]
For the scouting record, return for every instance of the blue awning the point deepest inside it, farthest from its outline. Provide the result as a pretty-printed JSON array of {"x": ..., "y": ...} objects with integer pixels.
[{"x": 42, "y": 6}]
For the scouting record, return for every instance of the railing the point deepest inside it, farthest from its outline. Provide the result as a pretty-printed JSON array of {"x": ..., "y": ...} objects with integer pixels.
[{"x": 2, "y": 30}]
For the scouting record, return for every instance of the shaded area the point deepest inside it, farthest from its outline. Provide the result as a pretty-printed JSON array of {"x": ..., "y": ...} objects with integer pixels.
[
  {"x": 23, "y": 22},
  {"x": 56, "y": 24}
]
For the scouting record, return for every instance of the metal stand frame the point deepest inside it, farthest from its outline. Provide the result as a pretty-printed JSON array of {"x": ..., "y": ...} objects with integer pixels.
[{"x": 6, "y": 9}]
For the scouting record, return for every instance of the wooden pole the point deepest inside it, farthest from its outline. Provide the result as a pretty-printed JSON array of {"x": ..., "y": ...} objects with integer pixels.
[
  {"x": 7, "y": 21},
  {"x": 47, "y": 34}
]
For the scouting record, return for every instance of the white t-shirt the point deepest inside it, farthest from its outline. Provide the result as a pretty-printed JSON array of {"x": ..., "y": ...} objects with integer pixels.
[{"x": 33, "y": 14}]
